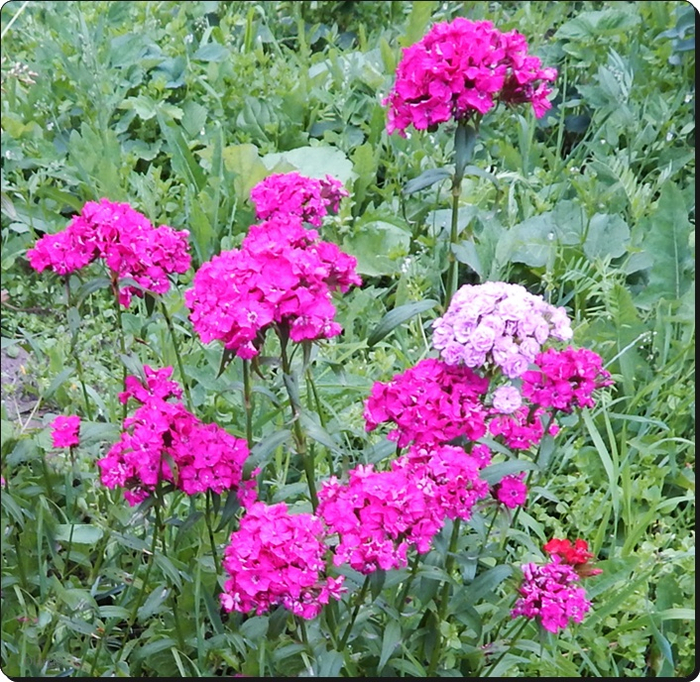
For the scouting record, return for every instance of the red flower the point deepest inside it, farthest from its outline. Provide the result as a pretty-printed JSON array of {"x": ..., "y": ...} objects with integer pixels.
[{"x": 576, "y": 555}]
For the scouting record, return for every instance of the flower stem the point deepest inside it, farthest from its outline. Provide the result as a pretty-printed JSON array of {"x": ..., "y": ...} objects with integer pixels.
[
  {"x": 176, "y": 348},
  {"x": 485, "y": 673},
  {"x": 207, "y": 518},
  {"x": 358, "y": 604},
  {"x": 453, "y": 263},
  {"x": 120, "y": 331},
  {"x": 299, "y": 438},
  {"x": 444, "y": 596},
  {"x": 248, "y": 403}
]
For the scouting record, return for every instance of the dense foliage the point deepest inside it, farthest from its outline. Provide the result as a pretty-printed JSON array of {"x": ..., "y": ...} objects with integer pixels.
[{"x": 180, "y": 110}]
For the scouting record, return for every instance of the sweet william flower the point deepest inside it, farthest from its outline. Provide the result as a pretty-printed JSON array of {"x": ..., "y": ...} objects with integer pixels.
[
  {"x": 277, "y": 558},
  {"x": 65, "y": 431},
  {"x": 462, "y": 69},
  {"x": 551, "y": 595},
  {"x": 293, "y": 194},
  {"x": 124, "y": 239},
  {"x": 576, "y": 555},
  {"x": 497, "y": 325},
  {"x": 511, "y": 491}
]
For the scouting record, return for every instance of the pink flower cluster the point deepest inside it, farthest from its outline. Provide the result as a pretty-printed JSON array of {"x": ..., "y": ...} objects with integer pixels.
[
  {"x": 283, "y": 274},
  {"x": 552, "y": 595},
  {"x": 565, "y": 379},
  {"x": 497, "y": 323},
  {"x": 65, "y": 431},
  {"x": 379, "y": 515},
  {"x": 278, "y": 558},
  {"x": 293, "y": 194},
  {"x": 431, "y": 402},
  {"x": 521, "y": 429},
  {"x": 463, "y": 68},
  {"x": 131, "y": 247},
  {"x": 163, "y": 441}
]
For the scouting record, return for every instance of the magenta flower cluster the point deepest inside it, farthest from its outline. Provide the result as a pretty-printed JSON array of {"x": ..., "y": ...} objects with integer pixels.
[
  {"x": 552, "y": 595},
  {"x": 130, "y": 246},
  {"x": 295, "y": 195},
  {"x": 163, "y": 441},
  {"x": 65, "y": 431},
  {"x": 565, "y": 379},
  {"x": 278, "y": 558},
  {"x": 431, "y": 402},
  {"x": 283, "y": 274},
  {"x": 461, "y": 69},
  {"x": 497, "y": 324}
]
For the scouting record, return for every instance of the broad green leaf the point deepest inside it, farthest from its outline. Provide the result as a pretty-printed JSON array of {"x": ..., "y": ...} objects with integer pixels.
[
  {"x": 82, "y": 533},
  {"x": 379, "y": 246},
  {"x": 608, "y": 235},
  {"x": 314, "y": 162},
  {"x": 666, "y": 237},
  {"x": 212, "y": 52},
  {"x": 398, "y": 316},
  {"x": 245, "y": 162}
]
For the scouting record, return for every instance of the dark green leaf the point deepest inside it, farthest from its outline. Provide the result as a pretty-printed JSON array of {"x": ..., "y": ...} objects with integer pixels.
[
  {"x": 426, "y": 179},
  {"x": 398, "y": 316}
]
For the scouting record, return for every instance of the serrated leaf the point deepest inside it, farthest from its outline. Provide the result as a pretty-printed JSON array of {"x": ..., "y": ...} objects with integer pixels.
[{"x": 398, "y": 316}]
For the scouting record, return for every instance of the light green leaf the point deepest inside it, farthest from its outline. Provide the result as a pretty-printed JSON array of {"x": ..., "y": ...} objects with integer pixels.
[
  {"x": 83, "y": 533},
  {"x": 314, "y": 162}
]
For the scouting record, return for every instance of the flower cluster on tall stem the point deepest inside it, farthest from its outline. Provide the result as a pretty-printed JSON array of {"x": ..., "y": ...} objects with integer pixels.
[
  {"x": 130, "y": 246},
  {"x": 164, "y": 442}
]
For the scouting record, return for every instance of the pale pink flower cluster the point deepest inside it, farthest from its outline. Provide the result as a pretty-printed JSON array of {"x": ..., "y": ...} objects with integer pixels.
[
  {"x": 431, "y": 402},
  {"x": 278, "y": 558},
  {"x": 565, "y": 379},
  {"x": 131, "y": 247},
  {"x": 463, "y": 68},
  {"x": 283, "y": 274},
  {"x": 163, "y": 441},
  {"x": 552, "y": 595},
  {"x": 65, "y": 431},
  {"x": 293, "y": 194},
  {"x": 498, "y": 324}
]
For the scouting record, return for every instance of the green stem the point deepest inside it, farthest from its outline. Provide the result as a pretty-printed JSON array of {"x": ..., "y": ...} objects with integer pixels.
[
  {"x": 485, "y": 672},
  {"x": 78, "y": 362},
  {"x": 207, "y": 518},
  {"x": 319, "y": 411},
  {"x": 444, "y": 596},
  {"x": 120, "y": 325},
  {"x": 176, "y": 348},
  {"x": 299, "y": 439},
  {"x": 407, "y": 585},
  {"x": 248, "y": 404},
  {"x": 144, "y": 583},
  {"x": 453, "y": 263},
  {"x": 358, "y": 604}
]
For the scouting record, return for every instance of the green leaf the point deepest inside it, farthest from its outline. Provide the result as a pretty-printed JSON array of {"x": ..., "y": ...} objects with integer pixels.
[
  {"x": 608, "y": 235},
  {"x": 184, "y": 163},
  {"x": 488, "y": 581},
  {"x": 398, "y": 316},
  {"x": 194, "y": 118},
  {"x": 154, "y": 602},
  {"x": 418, "y": 20},
  {"x": 263, "y": 449},
  {"x": 379, "y": 247},
  {"x": 465, "y": 141},
  {"x": 83, "y": 533},
  {"x": 314, "y": 162},
  {"x": 212, "y": 52},
  {"x": 391, "y": 639},
  {"x": 666, "y": 237},
  {"x": 493, "y": 473},
  {"x": 426, "y": 179},
  {"x": 245, "y": 162}
]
